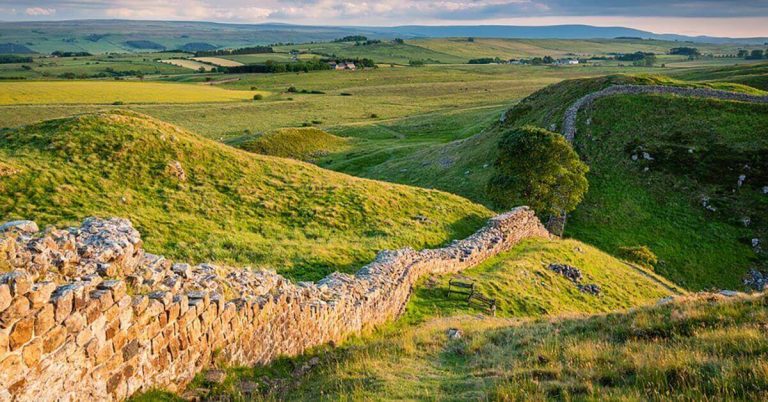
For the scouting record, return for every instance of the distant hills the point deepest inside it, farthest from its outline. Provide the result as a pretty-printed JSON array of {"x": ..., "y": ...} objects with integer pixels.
[{"x": 100, "y": 36}]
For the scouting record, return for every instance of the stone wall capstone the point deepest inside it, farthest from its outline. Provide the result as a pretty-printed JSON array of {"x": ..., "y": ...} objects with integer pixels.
[{"x": 86, "y": 314}]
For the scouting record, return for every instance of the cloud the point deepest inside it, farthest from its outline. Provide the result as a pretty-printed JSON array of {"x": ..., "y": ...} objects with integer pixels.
[
  {"x": 40, "y": 11},
  {"x": 386, "y": 12}
]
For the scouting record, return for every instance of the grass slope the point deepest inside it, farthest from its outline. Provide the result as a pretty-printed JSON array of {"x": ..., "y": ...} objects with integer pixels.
[
  {"x": 405, "y": 360},
  {"x": 695, "y": 349},
  {"x": 297, "y": 143},
  {"x": 233, "y": 206},
  {"x": 627, "y": 207},
  {"x": 700, "y": 148}
]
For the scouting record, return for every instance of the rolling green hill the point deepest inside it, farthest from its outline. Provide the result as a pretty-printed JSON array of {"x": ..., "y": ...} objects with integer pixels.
[
  {"x": 626, "y": 206},
  {"x": 199, "y": 200}
]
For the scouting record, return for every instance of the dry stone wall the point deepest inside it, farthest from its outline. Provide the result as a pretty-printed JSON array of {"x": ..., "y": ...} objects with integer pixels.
[
  {"x": 86, "y": 314},
  {"x": 569, "y": 122}
]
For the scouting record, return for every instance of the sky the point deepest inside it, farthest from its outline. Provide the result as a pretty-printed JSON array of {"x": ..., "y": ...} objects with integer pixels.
[{"x": 734, "y": 18}]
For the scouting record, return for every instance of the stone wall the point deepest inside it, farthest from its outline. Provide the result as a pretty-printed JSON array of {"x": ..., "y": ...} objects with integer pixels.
[
  {"x": 86, "y": 314},
  {"x": 569, "y": 122}
]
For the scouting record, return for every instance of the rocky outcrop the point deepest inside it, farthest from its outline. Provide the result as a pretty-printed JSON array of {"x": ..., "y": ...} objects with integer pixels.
[
  {"x": 86, "y": 314},
  {"x": 569, "y": 122}
]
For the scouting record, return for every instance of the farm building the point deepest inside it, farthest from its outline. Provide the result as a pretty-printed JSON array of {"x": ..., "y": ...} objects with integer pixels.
[{"x": 344, "y": 65}]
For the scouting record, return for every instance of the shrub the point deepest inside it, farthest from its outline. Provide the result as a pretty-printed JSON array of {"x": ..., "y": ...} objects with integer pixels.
[
  {"x": 117, "y": 103},
  {"x": 538, "y": 168},
  {"x": 292, "y": 89},
  {"x": 374, "y": 116},
  {"x": 640, "y": 255},
  {"x": 345, "y": 94},
  {"x": 258, "y": 97}
]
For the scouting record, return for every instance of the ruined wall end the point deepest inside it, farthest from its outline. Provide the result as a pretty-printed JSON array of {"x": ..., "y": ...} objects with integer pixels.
[{"x": 86, "y": 314}]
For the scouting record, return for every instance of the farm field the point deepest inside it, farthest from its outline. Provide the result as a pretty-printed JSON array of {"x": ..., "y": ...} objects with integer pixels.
[
  {"x": 218, "y": 61},
  {"x": 110, "y": 92},
  {"x": 387, "y": 93},
  {"x": 188, "y": 64}
]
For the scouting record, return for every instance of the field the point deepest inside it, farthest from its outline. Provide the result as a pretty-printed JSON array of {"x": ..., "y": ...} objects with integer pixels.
[
  {"x": 189, "y": 64},
  {"x": 98, "y": 66},
  {"x": 109, "y": 92},
  {"x": 218, "y": 61},
  {"x": 388, "y": 93}
]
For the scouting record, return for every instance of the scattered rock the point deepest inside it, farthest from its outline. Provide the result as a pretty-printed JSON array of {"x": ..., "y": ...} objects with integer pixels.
[
  {"x": 454, "y": 333},
  {"x": 590, "y": 288},
  {"x": 666, "y": 300},
  {"x": 756, "y": 280},
  {"x": 420, "y": 219},
  {"x": 573, "y": 274},
  {"x": 729, "y": 293},
  {"x": 19, "y": 226},
  {"x": 647, "y": 156},
  {"x": 216, "y": 376},
  {"x": 765, "y": 189},
  {"x": 175, "y": 169},
  {"x": 740, "y": 181},
  {"x": 746, "y": 221}
]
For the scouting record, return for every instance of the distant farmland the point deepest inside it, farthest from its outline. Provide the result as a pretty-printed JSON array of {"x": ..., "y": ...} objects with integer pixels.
[
  {"x": 218, "y": 61},
  {"x": 190, "y": 64},
  {"x": 114, "y": 92}
]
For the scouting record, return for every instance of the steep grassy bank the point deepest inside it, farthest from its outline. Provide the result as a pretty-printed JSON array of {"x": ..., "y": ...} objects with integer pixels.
[
  {"x": 666, "y": 173},
  {"x": 198, "y": 200}
]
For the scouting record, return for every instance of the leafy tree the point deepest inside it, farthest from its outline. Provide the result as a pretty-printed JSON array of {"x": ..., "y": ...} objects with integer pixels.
[
  {"x": 756, "y": 54},
  {"x": 538, "y": 168}
]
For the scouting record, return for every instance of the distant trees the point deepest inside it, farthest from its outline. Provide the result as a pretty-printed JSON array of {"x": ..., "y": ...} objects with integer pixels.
[
  {"x": 352, "y": 38},
  {"x": 685, "y": 51},
  {"x": 242, "y": 50},
  {"x": 485, "y": 60},
  {"x": 277, "y": 67},
  {"x": 470, "y": 39},
  {"x": 538, "y": 168},
  {"x": 368, "y": 42},
  {"x": 416, "y": 63},
  {"x": 398, "y": 41},
  {"x": 10, "y": 58},
  {"x": 59, "y": 53},
  {"x": 756, "y": 54},
  {"x": 743, "y": 53}
]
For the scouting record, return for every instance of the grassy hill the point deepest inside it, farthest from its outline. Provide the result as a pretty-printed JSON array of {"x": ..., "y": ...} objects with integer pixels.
[
  {"x": 297, "y": 143},
  {"x": 700, "y": 347},
  {"x": 627, "y": 206},
  {"x": 199, "y": 200}
]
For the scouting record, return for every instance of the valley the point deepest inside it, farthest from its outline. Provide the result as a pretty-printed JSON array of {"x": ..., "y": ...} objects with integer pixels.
[{"x": 258, "y": 206}]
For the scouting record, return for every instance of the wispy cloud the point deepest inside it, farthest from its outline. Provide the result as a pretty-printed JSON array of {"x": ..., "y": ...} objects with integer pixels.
[
  {"x": 40, "y": 11},
  {"x": 393, "y": 12}
]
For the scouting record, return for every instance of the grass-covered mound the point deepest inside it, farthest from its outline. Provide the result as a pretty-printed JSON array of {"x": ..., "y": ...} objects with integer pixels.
[
  {"x": 198, "y": 200},
  {"x": 298, "y": 143},
  {"x": 412, "y": 358}
]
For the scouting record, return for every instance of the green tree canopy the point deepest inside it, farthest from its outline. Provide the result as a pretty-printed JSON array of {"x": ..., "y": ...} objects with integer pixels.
[{"x": 538, "y": 168}]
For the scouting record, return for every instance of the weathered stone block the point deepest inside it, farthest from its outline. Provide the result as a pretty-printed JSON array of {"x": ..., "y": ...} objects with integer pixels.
[
  {"x": 32, "y": 352},
  {"x": 41, "y": 294},
  {"x": 44, "y": 320},
  {"x": 5, "y": 297},
  {"x": 54, "y": 338},
  {"x": 19, "y": 308},
  {"x": 21, "y": 333}
]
